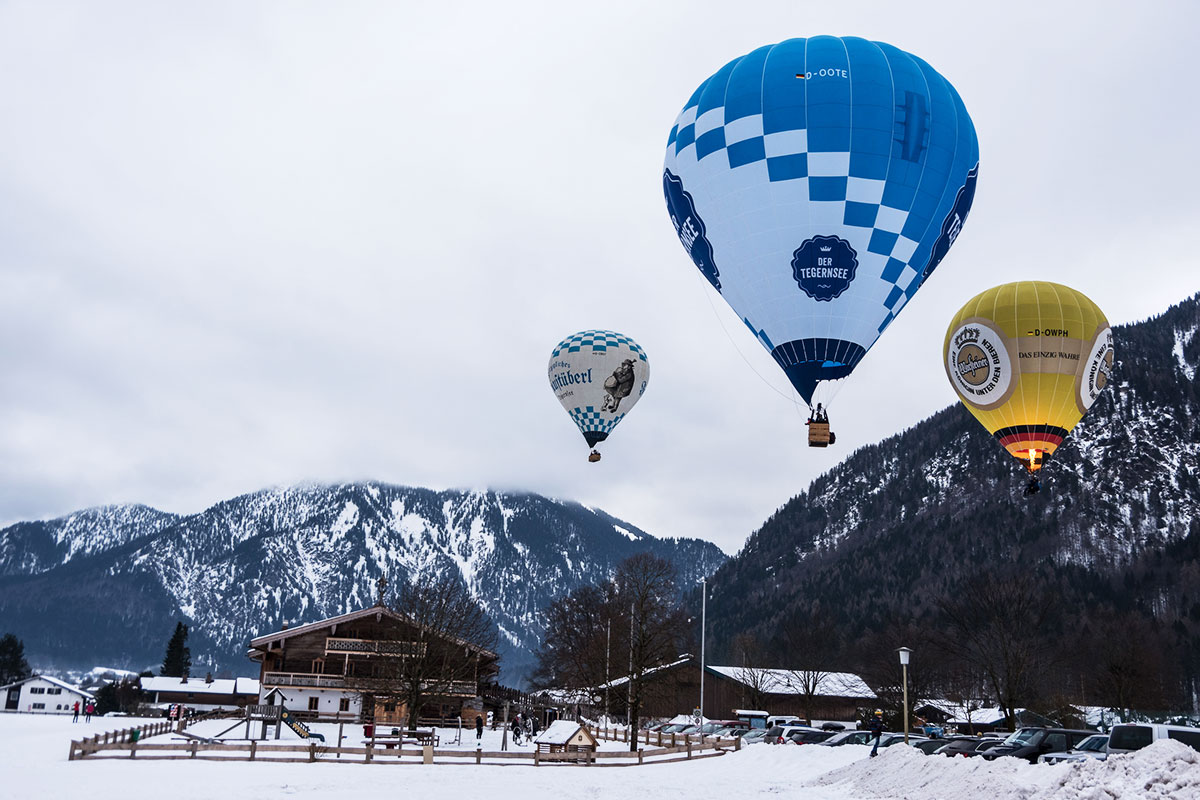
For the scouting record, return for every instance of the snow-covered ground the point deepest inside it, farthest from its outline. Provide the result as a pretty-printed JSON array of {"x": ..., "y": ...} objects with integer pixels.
[{"x": 33, "y": 766}]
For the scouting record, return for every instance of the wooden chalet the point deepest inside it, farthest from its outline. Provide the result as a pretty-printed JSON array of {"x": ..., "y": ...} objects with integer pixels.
[
  {"x": 346, "y": 668},
  {"x": 675, "y": 688},
  {"x": 200, "y": 694}
]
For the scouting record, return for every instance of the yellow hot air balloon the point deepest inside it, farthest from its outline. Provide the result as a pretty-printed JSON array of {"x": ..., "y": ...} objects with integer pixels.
[{"x": 1028, "y": 359}]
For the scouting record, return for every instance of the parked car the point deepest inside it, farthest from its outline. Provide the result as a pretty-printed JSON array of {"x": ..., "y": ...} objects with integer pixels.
[
  {"x": 1135, "y": 736},
  {"x": 1091, "y": 747},
  {"x": 848, "y": 737},
  {"x": 964, "y": 746},
  {"x": 1029, "y": 743},
  {"x": 889, "y": 739},
  {"x": 731, "y": 727},
  {"x": 755, "y": 736},
  {"x": 779, "y": 733},
  {"x": 782, "y": 719},
  {"x": 985, "y": 745},
  {"x": 809, "y": 736},
  {"x": 676, "y": 727},
  {"x": 929, "y": 746}
]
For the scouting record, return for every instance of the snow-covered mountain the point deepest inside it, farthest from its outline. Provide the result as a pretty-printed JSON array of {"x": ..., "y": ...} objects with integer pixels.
[
  {"x": 107, "y": 584},
  {"x": 899, "y": 526}
]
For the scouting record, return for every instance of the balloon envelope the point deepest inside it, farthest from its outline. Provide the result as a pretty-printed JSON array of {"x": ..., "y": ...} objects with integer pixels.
[
  {"x": 1028, "y": 359},
  {"x": 816, "y": 184},
  {"x": 598, "y": 376}
]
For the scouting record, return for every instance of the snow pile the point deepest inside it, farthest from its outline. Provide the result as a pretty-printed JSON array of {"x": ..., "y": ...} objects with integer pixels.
[
  {"x": 1164, "y": 769},
  {"x": 905, "y": 772}
]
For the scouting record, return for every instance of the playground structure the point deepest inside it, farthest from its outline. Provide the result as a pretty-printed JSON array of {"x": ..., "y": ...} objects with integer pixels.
[{"x": 277, "y": 715}]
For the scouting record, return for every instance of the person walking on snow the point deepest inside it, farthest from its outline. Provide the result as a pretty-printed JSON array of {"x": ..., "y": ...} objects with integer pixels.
[
  {"x": 88, "y": 709},
  {"x": 875, "y": 726},
  {"x": 76, "y": 717},
  {"x": 479, "y": 729}
]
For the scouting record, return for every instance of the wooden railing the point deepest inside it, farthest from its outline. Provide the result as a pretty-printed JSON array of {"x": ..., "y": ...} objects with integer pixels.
[
  {"x": 381, "y": 647},
  {"x": 120, "y": 745},
  {"x": 304, "y": 679}
]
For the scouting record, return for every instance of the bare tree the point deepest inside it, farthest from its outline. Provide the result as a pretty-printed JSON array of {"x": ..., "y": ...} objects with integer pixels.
[
  {"x": 997, "y": 629},
  {"x": 645, "y": 584},
  {"x": 445, "y": 642},
  {"x": 752, "y": 673},
  {"x": 808, "y": 642},
  {"x": 578, "y": 642}
]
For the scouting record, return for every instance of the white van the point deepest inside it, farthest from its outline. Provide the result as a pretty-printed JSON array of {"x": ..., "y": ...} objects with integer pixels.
[
  {"x": 1134, "y": 736},
  {"x": 783, "y": 719}
]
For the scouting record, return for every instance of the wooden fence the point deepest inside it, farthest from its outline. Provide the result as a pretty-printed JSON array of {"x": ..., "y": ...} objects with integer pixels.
[
  {"x": 123, "y": 744},
  {"x": 132, "y": 737}
]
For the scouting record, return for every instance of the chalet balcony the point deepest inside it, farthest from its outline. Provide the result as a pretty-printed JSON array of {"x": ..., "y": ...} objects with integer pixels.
[
  {"x": 304, "y": 679},
  {"x": 374, "y": 647},
  {"x": 365, "y": 683}
]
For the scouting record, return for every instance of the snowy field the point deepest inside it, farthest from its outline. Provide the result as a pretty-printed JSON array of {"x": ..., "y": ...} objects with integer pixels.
[{"x": 34, "y": 766}]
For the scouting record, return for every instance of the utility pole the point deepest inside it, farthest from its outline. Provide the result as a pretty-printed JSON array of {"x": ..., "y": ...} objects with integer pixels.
[
  {"x": 629, "y": 681},
  {"x": 703, "y": 601},
  {"x": 607, "y": 680}
]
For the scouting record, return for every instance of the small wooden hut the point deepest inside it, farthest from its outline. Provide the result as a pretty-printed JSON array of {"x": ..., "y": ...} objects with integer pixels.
[{"x": 565, "y": 736}]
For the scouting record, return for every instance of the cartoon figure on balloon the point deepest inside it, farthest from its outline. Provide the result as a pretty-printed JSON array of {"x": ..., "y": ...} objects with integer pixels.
[{"x": 618, "y": 386}]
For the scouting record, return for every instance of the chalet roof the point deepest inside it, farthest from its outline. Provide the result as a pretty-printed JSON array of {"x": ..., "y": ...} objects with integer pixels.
[
  {"x": 790, "y": 681},
  {"x": 223, "y": 686},
  {"x": 55, "y": 681},
  {"x": 378, "y": 611},
  {"x": 683, "y": 659},
  {"x": 561, "y": 731}
]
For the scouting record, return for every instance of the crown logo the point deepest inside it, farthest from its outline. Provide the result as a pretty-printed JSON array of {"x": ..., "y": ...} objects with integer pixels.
[{"x": 826, "y": 249}]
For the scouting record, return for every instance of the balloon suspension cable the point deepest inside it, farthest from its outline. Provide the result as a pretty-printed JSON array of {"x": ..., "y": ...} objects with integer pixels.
[{"x": 785, "y": 395}]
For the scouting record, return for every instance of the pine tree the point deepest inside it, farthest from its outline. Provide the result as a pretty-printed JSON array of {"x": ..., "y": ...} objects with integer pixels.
[
  {"x": 13, "y": 666},
  {"x": 178, "y": 660}
]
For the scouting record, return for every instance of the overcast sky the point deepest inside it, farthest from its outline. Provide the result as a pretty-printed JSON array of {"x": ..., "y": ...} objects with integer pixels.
[{"x": 251, "y": 244}]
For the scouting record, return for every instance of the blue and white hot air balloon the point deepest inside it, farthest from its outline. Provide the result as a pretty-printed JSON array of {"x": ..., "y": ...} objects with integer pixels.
[
  {"x": 598, "y": 376},
  {"x": 817, "y": 183}
]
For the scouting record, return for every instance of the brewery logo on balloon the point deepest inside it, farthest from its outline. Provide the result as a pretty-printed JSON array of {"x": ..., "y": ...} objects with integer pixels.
[
  {"x": 1098, "y": 370},
  {"x": 824, "y": 266},
  {"x": 978, "y": 364},
  {"x": 618, "y": 386},
  {"x": 690, "y": 227},
  {"x": 953, "y": 222}
]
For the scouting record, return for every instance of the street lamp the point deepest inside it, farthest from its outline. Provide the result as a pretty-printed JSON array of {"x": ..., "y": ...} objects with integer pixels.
[{"x": 904, "y": 654}]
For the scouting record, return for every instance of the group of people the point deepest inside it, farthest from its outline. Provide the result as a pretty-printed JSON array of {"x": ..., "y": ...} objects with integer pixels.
[
  {"x": 523, "y": 726},
  {"x": 89, "y": 708}
]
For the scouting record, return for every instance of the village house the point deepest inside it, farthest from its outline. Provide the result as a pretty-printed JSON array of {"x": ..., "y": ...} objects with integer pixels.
[
  {"x": 41, "y": 694},
  {"x": 351, "y": 667},
  {"x": 822, "y": 696},
  {"x": 201, "y": 694}
]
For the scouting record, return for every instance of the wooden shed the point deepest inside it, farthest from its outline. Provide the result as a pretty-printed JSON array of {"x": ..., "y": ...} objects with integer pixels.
[{"x": 565, "y": 736}]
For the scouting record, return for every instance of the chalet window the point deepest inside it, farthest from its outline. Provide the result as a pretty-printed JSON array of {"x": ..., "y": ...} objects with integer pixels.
[
  {"x": 388, "y": 708},
  {"x": 344, "y": 704},
  {"x": 37, "y": 689},
  {"x": 39, "y": 705},
  {"x": 318, "y": 665},
  {"x": 54, "y": 690},
  {"x": 312, "y": 703}
]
